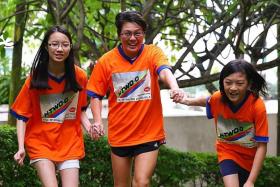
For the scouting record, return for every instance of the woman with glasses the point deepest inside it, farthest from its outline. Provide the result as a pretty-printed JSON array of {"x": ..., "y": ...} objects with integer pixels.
[
  {"x": 50, "y": 109},
  {"x": 130, "y": 73}
]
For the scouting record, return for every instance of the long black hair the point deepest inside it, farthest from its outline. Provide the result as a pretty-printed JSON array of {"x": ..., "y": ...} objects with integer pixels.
[
  {"x": 39, "y": 69},
  {"x": 256, "y": 81}
]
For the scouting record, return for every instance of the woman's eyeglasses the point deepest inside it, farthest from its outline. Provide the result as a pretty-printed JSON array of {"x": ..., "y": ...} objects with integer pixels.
[
  {"x": 128, "y": 34},
  {"x": 57, "y": 45}
]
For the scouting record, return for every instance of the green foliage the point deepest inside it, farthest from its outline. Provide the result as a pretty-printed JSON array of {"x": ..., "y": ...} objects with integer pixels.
[
  {"x": 96, "y": 166},
  {"x": 12, "y": 175},
  {"x": 6, "y": 20},
  {"x": 209, "y": 170},
  {"x": 173, "y": 168},
  {"x": 270, "y": 174},
  {"x": 2, "y": 52},
  {"x": 5, "y": 79}
]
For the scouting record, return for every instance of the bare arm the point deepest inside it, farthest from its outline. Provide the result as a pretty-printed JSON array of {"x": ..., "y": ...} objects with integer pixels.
[
  {"x": 169, "y": 79},
  {"x": 199, "y": 101},
  {"x": 20, "y": 155},
  {"x": 21, "y": 127},
  {"x": 85, "y": 121},
  {"x": 257, "y": 164},
  {"x": 96, "y": 108},
  {"x": 86, "y": 124}
]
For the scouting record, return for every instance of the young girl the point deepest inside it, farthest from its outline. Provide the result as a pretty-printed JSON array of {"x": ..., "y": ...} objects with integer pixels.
[
  {"x": 241, "y": 122},
  {"x": 50, "y": 108}
]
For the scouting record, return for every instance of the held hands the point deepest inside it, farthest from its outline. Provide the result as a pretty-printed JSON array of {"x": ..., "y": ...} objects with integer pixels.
[
  {"x": 96, "y": 130},
  {"x": 19, "y": 156},
  {"x": 177, "y": 95}
]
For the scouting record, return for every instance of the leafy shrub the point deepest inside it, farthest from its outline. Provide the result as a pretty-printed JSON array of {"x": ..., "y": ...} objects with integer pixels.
[
  {"x": 270, "y": 173},
  {"x": 174, "y": 168},
  {"x": 96, "y": 166},
  {"x": 209, "y": 170},
  {"x": 10, "y": 173},
  {"x": 5, "y": 80}
]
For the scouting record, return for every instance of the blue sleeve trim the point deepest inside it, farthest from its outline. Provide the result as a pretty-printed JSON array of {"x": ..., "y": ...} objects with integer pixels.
[
  {"x": 94, "y": 95},
  {"x": 19, "y": 117},
  {"x": 261, "y": 139},
  {"x": 208, "y": 109},
  {"x": 163, "y": 67}
]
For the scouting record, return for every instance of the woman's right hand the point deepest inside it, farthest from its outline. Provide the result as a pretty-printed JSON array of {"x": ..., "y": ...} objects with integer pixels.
[{"x": 19, "y": 156}]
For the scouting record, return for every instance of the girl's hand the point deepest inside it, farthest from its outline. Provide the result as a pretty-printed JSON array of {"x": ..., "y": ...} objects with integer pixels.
[
  {"x": 96, "y": 130},
  {"x": 248, "y": 184},
  {"x": 19, "y": 156},
  {"x": 177, "y": 95},
  {"x": 89, "y": 130}
]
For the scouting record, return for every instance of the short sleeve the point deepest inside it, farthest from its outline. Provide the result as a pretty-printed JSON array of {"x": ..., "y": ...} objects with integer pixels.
[
  {"x": 212, "y": 103},
  {"x": 261, "y": 121},
  {"x": 160, "y": 59},
  {"x": 22, "y": 107},
  {"x": 208, "y": 109},
  {"x": 97, "y": 85}
]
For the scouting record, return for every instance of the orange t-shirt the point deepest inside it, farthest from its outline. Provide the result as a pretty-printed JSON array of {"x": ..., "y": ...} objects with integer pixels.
[
  {"x": 135, "y": 112},
  {"x": 53, "y": 125},
  {"x": 238, "y": 128}
]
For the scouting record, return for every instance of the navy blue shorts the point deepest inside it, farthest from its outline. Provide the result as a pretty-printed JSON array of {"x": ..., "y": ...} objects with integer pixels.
[
  {"x": 228, "y": 167},
  {"x": 131, "y": 151}
]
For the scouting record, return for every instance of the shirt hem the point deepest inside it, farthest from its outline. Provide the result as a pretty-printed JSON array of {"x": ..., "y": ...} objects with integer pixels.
[
  {"x": 58, "y": 160},
  {"x": 136, "y": 143}
]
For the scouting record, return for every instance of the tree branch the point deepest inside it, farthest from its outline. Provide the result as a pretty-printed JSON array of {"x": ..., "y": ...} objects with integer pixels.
[
  {"x": 68, "y": 7},
  {"x": 215, "y": 77}
]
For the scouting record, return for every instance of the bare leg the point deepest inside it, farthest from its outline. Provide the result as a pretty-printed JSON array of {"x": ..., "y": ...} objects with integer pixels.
[
  {"x": 231, "y": 180},
  {"x": 70, "y": 177},
  {"x": 145, "y": 164},
  {"x": 121, "y": 170},
  {"x": 46, "y": 173}
]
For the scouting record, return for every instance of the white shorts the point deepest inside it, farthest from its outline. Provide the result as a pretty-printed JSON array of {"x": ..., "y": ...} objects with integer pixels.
[{"x": 67, "y": 164}]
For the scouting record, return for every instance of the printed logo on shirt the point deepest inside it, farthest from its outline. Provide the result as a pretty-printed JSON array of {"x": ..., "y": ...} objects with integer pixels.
[
  {"x": 132, "y": 86},
  {"x": 236, "y": 132},
  {"x": 58, "y": 107}
]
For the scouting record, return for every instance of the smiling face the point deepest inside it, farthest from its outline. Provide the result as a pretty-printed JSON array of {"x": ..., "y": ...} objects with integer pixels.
[
  {"x": 131, "y": 36},
  {"x": 235, "y": 87},
  {"x": 58, "y": 47}
]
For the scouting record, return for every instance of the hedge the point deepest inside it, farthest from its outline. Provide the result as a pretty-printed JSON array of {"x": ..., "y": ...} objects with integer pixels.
[{"x": 174, "y": 168}]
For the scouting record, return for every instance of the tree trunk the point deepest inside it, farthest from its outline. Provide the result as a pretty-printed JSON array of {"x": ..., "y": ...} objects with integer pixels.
[
  {"x": 123, "y": 5},
  {"x": 278, "y": 98},
  {"x": 19, "y": 28}
]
